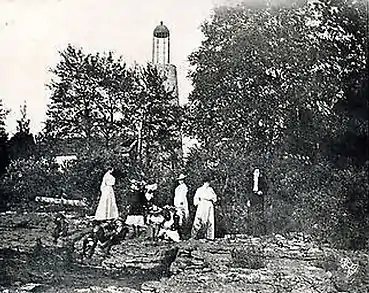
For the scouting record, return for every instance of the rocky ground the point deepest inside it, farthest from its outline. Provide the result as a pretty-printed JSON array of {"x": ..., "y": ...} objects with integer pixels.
[{"x": 31, "y": 262}]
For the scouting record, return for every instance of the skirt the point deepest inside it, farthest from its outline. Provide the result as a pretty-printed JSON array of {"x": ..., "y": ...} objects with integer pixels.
[
  {"x": 107, "y": 208},
  {"x": 134, "y": 220}
]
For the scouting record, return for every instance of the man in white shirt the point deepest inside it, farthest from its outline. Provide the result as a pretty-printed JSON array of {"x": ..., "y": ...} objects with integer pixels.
[{"x": 180, "y": 200}]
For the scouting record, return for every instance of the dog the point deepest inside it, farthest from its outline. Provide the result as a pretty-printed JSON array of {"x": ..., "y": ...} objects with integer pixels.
[{"x": 106, "y": 234}]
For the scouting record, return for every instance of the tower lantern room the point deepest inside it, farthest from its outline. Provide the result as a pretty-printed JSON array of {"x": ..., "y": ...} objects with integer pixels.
[{"x": 161, "y": 45}]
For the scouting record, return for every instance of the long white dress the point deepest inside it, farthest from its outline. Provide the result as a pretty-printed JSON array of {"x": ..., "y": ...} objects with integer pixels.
[
  {"x": 181, "y": 203},
  {"x": 107, "y": 208},
  {"x": 204, "y": 199}
]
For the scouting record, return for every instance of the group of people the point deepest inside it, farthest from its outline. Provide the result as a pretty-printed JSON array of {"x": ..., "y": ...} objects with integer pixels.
[{"x": 143, "y": 210}]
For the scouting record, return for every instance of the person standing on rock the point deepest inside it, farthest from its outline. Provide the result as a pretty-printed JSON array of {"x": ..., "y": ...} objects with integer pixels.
[
  {"x": 136, "y": 208},
  {"x": 180, "y": 200},
  {"x": 107, "y": 208},
  {"x": 204, "y": 199}
]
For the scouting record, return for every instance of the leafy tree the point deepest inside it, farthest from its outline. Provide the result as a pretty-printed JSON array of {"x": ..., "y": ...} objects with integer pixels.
[
  {"x": 86, "y": 96},
  {"x": 4, "y": 156},
  {"x": 27, "y": 178},
  {"x": 22, "y": 143},
  {"x": 269, "y": 80},
  {"x": 157, "y": 116},
  {"x": 100, "y": 105},
  {"x": 266, "y": 83},
  {"x": 96, "y": 98}
]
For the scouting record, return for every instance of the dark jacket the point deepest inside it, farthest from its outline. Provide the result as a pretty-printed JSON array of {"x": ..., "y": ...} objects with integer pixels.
[{"x": 138, "y": 203}]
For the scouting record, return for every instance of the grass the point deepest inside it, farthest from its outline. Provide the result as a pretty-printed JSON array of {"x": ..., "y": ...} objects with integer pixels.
[{"x": 249, "y": 257}]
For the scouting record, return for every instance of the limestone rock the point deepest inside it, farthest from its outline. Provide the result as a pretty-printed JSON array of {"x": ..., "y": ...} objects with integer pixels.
[
  {"x": 109, "y": 289},
  {"x": 151, "y": 287},
  {"x": 32, "y": 287}
]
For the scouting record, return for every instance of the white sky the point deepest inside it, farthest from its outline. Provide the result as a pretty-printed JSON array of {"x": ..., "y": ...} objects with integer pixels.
[{"x": 32, "y": 32}]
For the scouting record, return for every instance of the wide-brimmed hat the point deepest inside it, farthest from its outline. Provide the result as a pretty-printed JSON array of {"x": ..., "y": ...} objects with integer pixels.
[
  {"x": 151, "y": 187},
  {"x": 155, "y": 209},
  {"x": 181, "y": 177}
]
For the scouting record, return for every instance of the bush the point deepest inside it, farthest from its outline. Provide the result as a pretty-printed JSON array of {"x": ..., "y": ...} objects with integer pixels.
[
  {"x": 30, "y": 177},
  {"x": 312, "y": 197},
  {"x": 27, "y": 178}
]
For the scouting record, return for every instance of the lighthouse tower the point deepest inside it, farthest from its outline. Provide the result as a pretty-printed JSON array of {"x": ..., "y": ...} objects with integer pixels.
[
  {"x": 161, "y": 58},
  {"x": 161, "y": 45}
]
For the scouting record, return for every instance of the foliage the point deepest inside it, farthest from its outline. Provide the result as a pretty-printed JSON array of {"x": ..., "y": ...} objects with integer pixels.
[
  {"x": 87, "y": 95},
  {"x": 328, "y": 263},
  {"x": 27, "y": 178},
  {"x": 275, "y": 88},
  {"x": 98, "y": 107},
  {"x": 82, "y": 177},
  {"x": 96, "y": 98},
  {"x": 4, "y": 155},
  {"x": 157, "y": 114},
  {"x": 349, "y": 143},
  {"x": 4, "y": 159},
  {"x": 24, "y": 121},
  {"x": 300, "y": 196},
  {"x": 273, "y": 78},
  {"x": 22, "y": 143}
]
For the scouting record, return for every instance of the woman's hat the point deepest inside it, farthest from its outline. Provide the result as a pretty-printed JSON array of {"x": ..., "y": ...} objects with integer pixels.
[
  {"x": 181, "y": 177},
  {"x": 152, "y": 187},
  {"x": 155, "y": 209}
]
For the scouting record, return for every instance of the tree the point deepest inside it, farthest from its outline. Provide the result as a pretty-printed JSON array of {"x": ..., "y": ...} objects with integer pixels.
[
  {"x": 4, "y": 156},
  {"x": 87, "y": 94},
  {"x": 22, "y": 143},
  {"x": 102, "y": 105},
  {"x": 95, "y": 97},
  {"x": 157, "y": 115},
  {"x": 266, "y": 81}
]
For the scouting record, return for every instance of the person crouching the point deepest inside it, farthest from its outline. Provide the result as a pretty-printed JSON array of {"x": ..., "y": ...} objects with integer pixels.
[
  {"x": 170, "y": 226},
  {"x": 155, "y": 219},
  {"x": 106, "y": 234}
]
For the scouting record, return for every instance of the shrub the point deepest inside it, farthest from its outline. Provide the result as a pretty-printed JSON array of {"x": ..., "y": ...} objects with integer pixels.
[
  {"x": 313, "y": 197},
  {"x": 27, "y": 178}
]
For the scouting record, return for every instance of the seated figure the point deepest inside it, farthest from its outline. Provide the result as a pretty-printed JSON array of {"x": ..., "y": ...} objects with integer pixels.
[
  {"x": 170, "y": 226},
  {"x": 106, "y": 234},
  {"x": 61, "y": 227}
]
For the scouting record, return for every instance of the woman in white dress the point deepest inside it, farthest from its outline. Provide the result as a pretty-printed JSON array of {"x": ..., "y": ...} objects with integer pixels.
[
  {"x": 107, "y": 208},
  {"x": 204, "y": 199}
]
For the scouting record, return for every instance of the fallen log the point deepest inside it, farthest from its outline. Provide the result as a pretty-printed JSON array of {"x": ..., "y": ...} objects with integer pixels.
[{"x": 62, "y": 201}]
